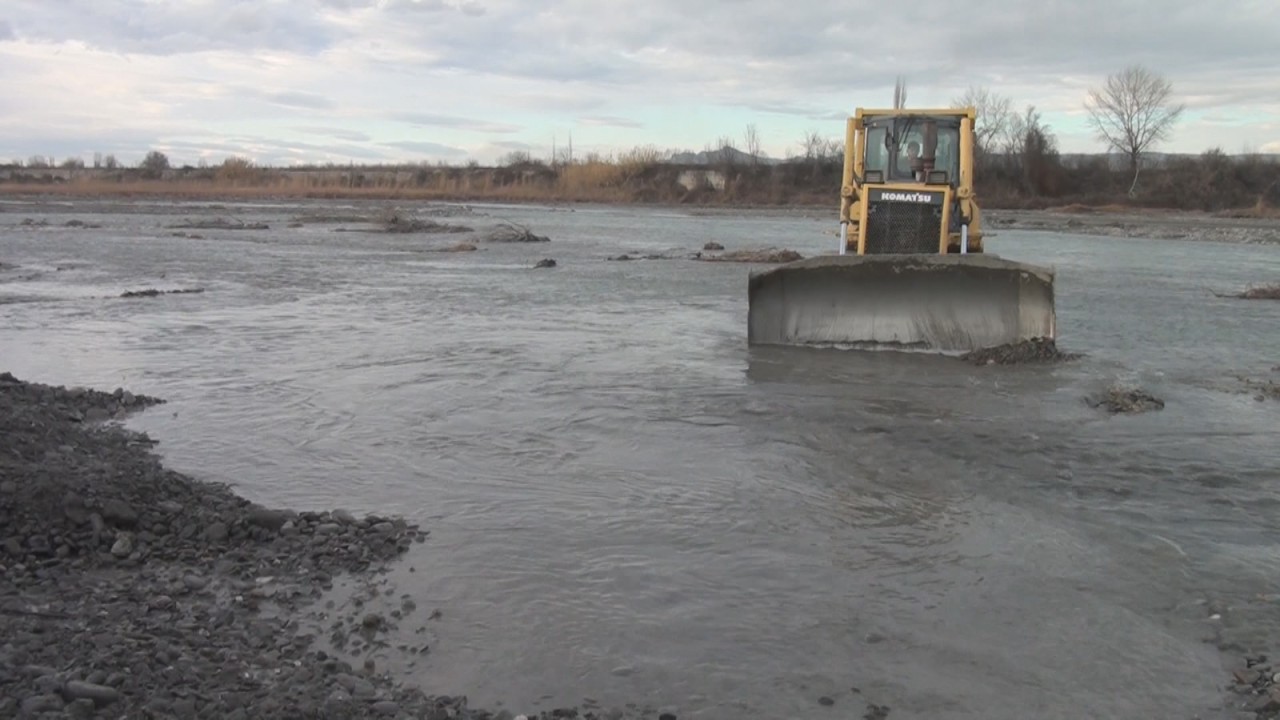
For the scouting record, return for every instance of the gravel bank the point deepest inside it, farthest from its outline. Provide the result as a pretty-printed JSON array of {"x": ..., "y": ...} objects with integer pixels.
[
  {"x": 129, "y": 590},
  {"x": 1158, "y": 225}
]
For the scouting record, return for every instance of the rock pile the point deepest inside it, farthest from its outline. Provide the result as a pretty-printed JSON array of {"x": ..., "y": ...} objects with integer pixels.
[
  {"x": 1260, "y": 680},
  {"x": 1035, "y": 350},
  {"x": 1117, "y": 400},
  {"x": 129, "y": 590}
]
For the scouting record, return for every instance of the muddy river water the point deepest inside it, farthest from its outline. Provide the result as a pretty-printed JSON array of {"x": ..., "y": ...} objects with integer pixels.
[{"x": 628, "y": 504}]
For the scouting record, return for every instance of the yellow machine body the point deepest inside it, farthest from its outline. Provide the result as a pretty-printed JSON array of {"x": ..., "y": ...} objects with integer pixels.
[{"x": 910, "y": 268}]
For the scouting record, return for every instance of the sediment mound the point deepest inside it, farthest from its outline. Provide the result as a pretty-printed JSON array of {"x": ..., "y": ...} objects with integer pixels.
[
  {"x": 512, "y": 233},
  {"x": 403, "y": 224},
  {"x": 1269, "y": 292},
  {"x": 1266, "y": 292},
  {"x": 639, "y": 256},
  {"x": 152, "y": 292},
  {"x": 1035, "y": 350},
  {"x": 770, "y": 255},
  {"x": 1121, "y": 400},
  {"x": 218, "y": 224},
  {"x": 1261, "y": 389},
  {"x": 460, "y": 247}
]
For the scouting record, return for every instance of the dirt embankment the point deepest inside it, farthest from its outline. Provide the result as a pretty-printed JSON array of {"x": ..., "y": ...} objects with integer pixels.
[{"x": 129, "y": 590}]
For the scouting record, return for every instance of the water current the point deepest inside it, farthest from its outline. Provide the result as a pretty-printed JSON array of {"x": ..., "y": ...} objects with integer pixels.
[{"x": 629, "y": 504}]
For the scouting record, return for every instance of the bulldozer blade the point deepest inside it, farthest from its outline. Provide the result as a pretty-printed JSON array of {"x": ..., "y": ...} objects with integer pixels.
[{"x": 943, "y": 303}]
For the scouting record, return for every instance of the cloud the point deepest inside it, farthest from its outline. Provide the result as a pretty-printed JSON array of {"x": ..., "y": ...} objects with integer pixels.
[
  {"x": 427, "y": 148},
  {"x": 138, "y": 26},
  {"x": 295, "y": 98},
  {"x": 609, "y": 121},
  {"x": 453, "y": 122},
  {"x": 665, "y": 72},
  {"x": 340, "y": 133}
]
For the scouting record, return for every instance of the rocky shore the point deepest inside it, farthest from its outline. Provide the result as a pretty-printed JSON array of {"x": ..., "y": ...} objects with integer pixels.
[{"x": 130, "y": 590}]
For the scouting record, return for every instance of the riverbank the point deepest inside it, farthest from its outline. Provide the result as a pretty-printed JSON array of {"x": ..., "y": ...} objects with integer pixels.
[
  {"x": 1248, "y": 227},
  {"x": 130, "y": 590}
]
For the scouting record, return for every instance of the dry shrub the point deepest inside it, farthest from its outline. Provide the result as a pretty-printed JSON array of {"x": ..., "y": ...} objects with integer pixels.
[{"x": 590, "y": 176}]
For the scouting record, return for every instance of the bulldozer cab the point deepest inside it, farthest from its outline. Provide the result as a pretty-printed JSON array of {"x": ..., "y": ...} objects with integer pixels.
[
  {"x": 912, "y": 149},
  {"x": 908, "y": 183}
]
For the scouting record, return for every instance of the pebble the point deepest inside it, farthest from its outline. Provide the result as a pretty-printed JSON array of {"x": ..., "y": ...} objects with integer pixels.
[
  {"x": 216, "y": 532},
  {"x": 82, "y": 708},
  {"x": 123, "y": 546},
  {"x": 386, "y": 707},
  {"x": 41, "y": 703},
  {"x": 100, "y": 694}
]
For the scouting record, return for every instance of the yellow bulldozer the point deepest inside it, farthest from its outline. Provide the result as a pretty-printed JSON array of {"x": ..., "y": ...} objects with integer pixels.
[{"x": 910, "y": 270}]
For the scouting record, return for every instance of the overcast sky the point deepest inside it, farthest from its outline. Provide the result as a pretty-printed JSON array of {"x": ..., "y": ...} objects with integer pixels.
[{"x": 284, "y": 81}]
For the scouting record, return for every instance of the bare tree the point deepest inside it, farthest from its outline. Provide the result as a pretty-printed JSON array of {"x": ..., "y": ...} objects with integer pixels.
[
  {"x": 812, "y": 145},
  {"x": 995, "y": 113},
  {"x": 725, "y": 151},
  {"x": 753, "y": 143},
  {"x": 1132, "y": 112}
]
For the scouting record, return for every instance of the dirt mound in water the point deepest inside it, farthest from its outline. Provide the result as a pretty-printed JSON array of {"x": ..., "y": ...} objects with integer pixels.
[
  {"x": 402, "y": 224},
  {"x": 1261, "y": 389},
  {"x": 1266, "y": 292},
  {"x": 152, "y": 292},
  {"x": 1123, "y": 400},
  {"x": 1270, "y": 292},
  {"x": 1035, "y": 350},
  {"x": 219, "y": 224},
  {"x": 511, "y": 233},
  {"x": 769, "y": 255}
]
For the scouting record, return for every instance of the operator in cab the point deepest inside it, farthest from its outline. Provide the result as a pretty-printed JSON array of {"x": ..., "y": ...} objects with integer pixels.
[{"x": 910, "y": 166}]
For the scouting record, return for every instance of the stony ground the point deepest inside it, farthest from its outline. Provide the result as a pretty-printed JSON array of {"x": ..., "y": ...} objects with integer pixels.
[
  {"x": 129, "y": 590},
  {"x": 1154, "y": 224}
]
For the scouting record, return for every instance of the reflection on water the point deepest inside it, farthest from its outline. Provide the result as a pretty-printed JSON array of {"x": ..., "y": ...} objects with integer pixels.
[{"x": 629, "y": 504}]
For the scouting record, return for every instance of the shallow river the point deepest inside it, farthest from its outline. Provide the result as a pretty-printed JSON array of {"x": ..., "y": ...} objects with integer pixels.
[{"x": 628, "y": 504}]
